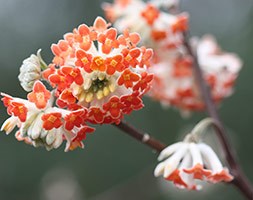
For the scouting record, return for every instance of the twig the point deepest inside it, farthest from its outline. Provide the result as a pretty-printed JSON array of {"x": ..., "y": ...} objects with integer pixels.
[
  {"x": 240, "y": 181},
  {"x": 140, "y": 136}
]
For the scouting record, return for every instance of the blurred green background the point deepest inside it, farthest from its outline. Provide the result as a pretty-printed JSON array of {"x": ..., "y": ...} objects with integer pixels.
[{"x": 113, "y": 166}]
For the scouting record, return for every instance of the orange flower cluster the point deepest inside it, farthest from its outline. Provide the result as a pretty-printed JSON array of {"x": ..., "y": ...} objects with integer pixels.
[
  {"x": 97, "y": 77},
  {"x": 171, "y": 65}
]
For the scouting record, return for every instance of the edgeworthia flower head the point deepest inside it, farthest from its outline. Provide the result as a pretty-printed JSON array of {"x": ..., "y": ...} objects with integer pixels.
[
  {"x": 97, "y": 77},
  {"x": 175, "y": 79},
  {"x": 174, "y": 84},
  {"x": 185, "y": 162},
  {"x": 156, "y": 27},
  {"x": 96, "y": 69},
  {"x": 30, "y": 71}
]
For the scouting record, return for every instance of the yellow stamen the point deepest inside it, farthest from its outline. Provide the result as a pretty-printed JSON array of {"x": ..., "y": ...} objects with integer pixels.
[
  {"x": 114, "y": 105},
  {"x": 127, "y": 77},
  {"x": 128, "y": 58},
  {"x": 73, "y": 74},
  {"x": 85, "y": 60},
  {"x": 72, "y": 118},
  {"x": 99, "y": 61},
  {"x": 100, "y": 94},
  {"x": 89, "y": 97},
  {"x": 113, "y": 63},
  {"x": 112, "y": 87},
  {"x": 86, "y": 39},
  {"x": 21, "y": 109},
  {"x": 40, "y": 95},
  {"x": 106, "y": 91},
  {"x": 52, "y": 118},
  {"x": 82, "y": 97},
  {"x": 108, "y": 41},
  {"x": 101, "y": 76}
]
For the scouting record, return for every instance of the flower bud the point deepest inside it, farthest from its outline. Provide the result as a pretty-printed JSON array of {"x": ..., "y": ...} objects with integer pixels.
[{"x": 30, "y": 71}]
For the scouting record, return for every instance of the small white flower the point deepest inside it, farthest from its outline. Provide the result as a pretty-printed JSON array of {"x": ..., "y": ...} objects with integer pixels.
[
  {"x": 30, "y": 71},
  {"x": 187, "y": 161}
]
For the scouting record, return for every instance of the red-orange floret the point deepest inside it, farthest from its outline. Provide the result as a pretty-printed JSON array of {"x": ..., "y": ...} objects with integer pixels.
[
  {"x": 19, "y": 110},
  {"x": 221, "y": 176},
  {"x": 181, "y": 24},
  {"x": 129, "y": 39},
  {"x": 98, "y": 63},
  {"x": 40, "y": 95},
  {"x": 114, "y": 64},
  {"x": 150, "y": 14},
  {"x": 198, "y": 172},
  {"x": 81, "y": 134},
  {"x": 52, "y": 120},
  {"x": 144, "y": 82},
  {"x": 72, "y": 75},
  {"x": 75, "y": 119},
  {"x": 128, "y": 78},
  {"x": 182, "y": 67},
  {"x": 176, "y": 179},
  {"x": 83, "y": 60},
  {"x": 108, "y": 40},
  {"x": 96, "y": 115},
  {"x": 114, "y": 107},
  {"x": 131, "y": 57}
]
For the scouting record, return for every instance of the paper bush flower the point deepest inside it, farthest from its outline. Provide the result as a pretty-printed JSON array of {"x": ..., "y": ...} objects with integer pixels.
[
  {"x": 177, "y": 84},
  {"x": 97, "y": 77},
  {"x": 98, "y": 70},
  {"x": 174, "y": 84},
  {"x": 155, "y": 26},
  {"x": 42, "y": 124},
  {"x": 185, "y": 162}
]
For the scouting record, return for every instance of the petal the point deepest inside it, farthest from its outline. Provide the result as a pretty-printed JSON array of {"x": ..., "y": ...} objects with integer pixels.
[
  {"x": 83, "y": 30},
  {"x": 100, "y": 24},
  {"x": 211, "y": 159},
  {"x": 51, "y": 136},
  {"x": 59, "y": 139},
  {"x": 195, "y": 153},
  {"x": 35, "y": 130},
  {"x": 171, "y": 164},
  {"x": 9, "y": 124},
  {"x": 169, "y": 150},
  {"x": 224, "y": 175},
  {"x": 159, "y": 170}
]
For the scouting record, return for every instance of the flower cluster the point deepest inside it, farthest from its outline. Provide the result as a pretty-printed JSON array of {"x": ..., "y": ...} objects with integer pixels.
[
  {"x": 95, "y": 69},
  {"x": 97, "y": 77},
  {"x": 42, "y": 124},
  {"x": 158, "y": 29},
  {"x": 188, "y": 161},
  {"x": 171, "y": 64},
  {"x": 176, "y": 81}
]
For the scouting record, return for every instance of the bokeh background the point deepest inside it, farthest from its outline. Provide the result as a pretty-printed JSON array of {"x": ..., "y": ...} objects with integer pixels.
[{"x": 113, "y": 166}]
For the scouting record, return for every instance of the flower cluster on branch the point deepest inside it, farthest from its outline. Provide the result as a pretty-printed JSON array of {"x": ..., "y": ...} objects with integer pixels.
[
  {"x": 171, "y": 64},
  {"x": 96, "y": 76},
  {"x": 100, "y": 73}
]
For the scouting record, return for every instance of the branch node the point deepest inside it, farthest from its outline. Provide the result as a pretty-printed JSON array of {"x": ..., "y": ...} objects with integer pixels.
[{"x": 145, "y": 138}]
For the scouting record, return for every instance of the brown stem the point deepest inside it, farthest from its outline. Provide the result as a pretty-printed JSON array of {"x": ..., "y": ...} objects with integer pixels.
[
  {"x": 240, "y": 180},
  {"x": 140, "y": 136}
]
